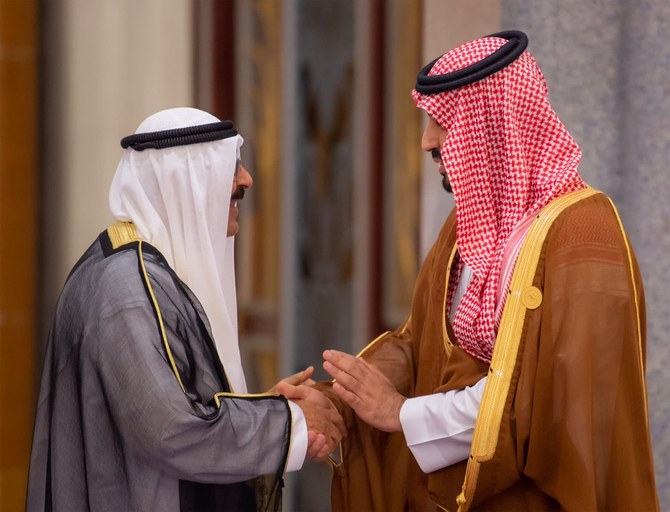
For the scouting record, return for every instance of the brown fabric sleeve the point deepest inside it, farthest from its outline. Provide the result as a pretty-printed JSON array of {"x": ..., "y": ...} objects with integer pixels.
[
  {"x": 374, "y": 460},
  {"x": 587, "y": 443},
  {"x": 577, "y": 420},
  {"x": 462, "y": 371},
  {"x": 378, "y": 472},
  {"x": 391, "y": 354}
]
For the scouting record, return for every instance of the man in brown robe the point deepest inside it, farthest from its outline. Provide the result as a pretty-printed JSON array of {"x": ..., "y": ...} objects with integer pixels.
[{"x": 529, "y": 304}]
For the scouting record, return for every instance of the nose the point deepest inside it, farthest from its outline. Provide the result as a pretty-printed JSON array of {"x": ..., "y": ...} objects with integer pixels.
[
  {"x": 244, "y": 179},
  {"x": 431, "y": 136}
]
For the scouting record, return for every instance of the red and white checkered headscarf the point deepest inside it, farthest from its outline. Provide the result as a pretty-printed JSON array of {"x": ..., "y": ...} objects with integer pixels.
[{"x": 507, "y": 155}]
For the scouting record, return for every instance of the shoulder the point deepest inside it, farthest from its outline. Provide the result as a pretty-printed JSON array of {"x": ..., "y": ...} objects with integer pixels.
[
  {"x": 587, "y": 247},
  {"x": 591, "y": 222},
  {"x": 107, "y": 279}
]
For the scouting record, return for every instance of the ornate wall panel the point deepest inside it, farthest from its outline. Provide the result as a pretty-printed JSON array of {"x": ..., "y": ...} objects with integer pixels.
[
  {"x": 402, "y": 163},
  {"x": 258, "y": 116}
]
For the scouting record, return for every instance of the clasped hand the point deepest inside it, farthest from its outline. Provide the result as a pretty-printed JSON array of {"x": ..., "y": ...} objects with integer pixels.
[{"x": 325, "y": 426}]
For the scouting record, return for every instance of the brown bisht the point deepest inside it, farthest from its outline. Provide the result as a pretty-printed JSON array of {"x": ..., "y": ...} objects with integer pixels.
[
  {"x": 134, "y": 409},
  {"x": 563, "y": 422}
]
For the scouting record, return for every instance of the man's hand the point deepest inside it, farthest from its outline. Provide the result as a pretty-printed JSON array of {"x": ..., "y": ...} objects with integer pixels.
[
  {"x": 367, "y": 391},
  {"x": 325, "y": 426},
  {"x": 303, "y": 377}
]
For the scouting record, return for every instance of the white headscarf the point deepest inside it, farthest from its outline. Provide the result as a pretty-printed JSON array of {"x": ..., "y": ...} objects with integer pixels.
[{"x": 179, "y": 199}]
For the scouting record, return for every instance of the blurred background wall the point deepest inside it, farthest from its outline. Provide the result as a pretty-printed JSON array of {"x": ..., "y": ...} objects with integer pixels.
[{"x": 344, "y": 204}]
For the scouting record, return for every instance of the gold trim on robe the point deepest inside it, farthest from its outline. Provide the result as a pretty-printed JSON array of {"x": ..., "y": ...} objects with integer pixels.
[{"x": 522, "y": 297}]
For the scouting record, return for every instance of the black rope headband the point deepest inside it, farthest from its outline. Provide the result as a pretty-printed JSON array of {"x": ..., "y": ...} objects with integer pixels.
[
  {"x": 502, "y": 57},
  {"x": 180, "y": 136}
]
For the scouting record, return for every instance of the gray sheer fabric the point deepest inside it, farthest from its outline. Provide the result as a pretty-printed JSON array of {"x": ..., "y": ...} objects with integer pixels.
[{"x": 115, "y": 431}]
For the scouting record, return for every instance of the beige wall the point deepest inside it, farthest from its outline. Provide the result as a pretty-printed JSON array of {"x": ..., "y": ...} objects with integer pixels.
[{"x": 107, "y": 65}]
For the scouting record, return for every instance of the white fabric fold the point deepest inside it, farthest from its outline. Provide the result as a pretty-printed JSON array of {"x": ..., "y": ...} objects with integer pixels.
[
  {"x": 179, "y": 199},
  {"x": 439, "y": 428},
  {"x": 298, "y": 449}
]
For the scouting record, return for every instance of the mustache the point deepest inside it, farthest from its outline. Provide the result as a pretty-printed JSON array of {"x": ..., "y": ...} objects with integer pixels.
[
  {"x": 238, "y": 195},
  {"x": 435, "y": 153}
]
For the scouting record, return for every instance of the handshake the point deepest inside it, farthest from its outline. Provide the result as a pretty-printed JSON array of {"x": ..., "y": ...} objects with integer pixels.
[{"x": 359, "y": 384}]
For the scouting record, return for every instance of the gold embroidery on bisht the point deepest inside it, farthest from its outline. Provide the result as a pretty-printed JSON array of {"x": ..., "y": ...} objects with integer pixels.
[{"x": 122, "y": 233}]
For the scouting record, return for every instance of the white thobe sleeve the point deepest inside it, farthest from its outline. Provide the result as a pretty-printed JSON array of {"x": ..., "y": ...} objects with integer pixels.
[
  {"x": 439, "y": 428},
  {"x": 298, "y": 445}
]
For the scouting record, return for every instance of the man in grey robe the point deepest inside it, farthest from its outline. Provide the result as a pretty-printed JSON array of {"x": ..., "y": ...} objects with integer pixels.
[{"x": 143, "y": 403}]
